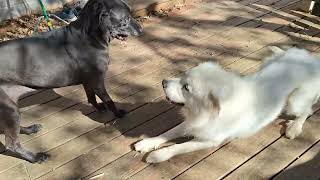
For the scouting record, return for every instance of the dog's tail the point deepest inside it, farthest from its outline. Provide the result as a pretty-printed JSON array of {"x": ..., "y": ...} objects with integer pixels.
[{"x": 275, "y": 49}]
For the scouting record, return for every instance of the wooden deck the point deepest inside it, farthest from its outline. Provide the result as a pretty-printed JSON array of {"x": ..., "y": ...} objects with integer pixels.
[{"x": 236, "y": 34}]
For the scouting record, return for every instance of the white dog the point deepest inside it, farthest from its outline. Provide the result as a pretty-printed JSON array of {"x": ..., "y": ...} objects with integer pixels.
[{"x": 221, "y": 105}]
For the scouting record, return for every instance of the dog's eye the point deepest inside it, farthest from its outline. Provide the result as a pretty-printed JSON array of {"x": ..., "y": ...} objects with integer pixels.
[{"x": 186, "y": 87}]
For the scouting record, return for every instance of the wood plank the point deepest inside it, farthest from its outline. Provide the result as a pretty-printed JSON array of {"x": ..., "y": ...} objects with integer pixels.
[
  {"x": 279, "y": 154},
  {"x": 240, "y": 41},
  {"x": 18, "y": 172},
  {"x": 307, "y": 166},
  {"x": 115, "y": 148},
  {"x": 217, "y": 165}
]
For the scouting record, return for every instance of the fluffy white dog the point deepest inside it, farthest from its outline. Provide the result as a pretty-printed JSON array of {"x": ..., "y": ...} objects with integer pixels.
[{"x": 221, "y": 105}]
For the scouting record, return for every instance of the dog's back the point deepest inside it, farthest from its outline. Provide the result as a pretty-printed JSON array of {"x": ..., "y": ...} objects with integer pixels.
[
  {"x": 288, "y": 70},
  {"x": 278, "y": 78},
  {"x": 39, "y": 61}
]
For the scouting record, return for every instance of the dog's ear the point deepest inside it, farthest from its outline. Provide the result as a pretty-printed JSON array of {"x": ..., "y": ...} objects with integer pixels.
[
  {"x": 214, "y": 105},
  {"x": 126, "y": 3},
  {"x": 101, "y": 15},
  {"x": 92, "y": 16}
]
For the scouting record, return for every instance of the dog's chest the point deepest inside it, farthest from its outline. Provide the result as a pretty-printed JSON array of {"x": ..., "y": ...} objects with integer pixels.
[
  {"x": 199, "y": 129},
  {"x": 97, "y": 61}
]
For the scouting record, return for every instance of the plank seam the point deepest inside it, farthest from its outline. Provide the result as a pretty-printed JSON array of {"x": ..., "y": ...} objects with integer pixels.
[{"x": 294, "y": 160}]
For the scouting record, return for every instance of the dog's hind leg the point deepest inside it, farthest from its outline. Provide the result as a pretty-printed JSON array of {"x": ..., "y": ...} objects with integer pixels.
[
  {"x": 14, "y": 148},
  {"x": 10, "y": 122},
  {"x": 300, "y": 105}
]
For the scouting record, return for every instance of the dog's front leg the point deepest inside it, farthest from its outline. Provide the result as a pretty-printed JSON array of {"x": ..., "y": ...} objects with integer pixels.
[
  {"x": 106, "y": 99},
  {"x": 168, "y": 152},
  {"x": 97, "y": 87},
  {"x": 148, "y": 144},
  {"x": 90, "y": 92}
]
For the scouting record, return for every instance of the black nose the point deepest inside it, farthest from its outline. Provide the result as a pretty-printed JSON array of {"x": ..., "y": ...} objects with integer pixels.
[{"x": 164, "y": 83}]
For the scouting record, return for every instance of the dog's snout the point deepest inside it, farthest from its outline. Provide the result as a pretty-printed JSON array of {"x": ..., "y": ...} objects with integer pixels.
[
  {"x": 139, "y": 31},
  {"x": 164, "y": 83},
  {"x": 135, "y": 28}
]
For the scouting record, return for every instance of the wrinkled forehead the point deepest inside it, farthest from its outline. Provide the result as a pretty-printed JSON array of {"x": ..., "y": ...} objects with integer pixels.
[
  {"x": 117, "y": 7},
  {"x": 119, "y": 13},
  {"x": 190, "y": 75},
  {"x": 187, "y": 78}
]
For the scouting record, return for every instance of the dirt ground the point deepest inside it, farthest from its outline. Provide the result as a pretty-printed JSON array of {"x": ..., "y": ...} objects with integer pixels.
[
  {"x": 25, "y": 25},
  {"x": 22, "y": 27}
]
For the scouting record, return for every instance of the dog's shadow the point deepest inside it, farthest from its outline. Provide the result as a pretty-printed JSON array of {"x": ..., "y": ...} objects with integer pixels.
[{"x": 143, "y": 117}]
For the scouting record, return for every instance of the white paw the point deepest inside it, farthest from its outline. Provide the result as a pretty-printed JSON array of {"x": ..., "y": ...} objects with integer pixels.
[
  {"x": 147, "y": 145},
  {"x": 293, "y": 130},
  {"x": 158, "y": 156}
]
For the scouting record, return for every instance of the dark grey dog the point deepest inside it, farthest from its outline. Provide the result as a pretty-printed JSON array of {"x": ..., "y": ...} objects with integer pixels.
[{"x": 76, "y": 54}]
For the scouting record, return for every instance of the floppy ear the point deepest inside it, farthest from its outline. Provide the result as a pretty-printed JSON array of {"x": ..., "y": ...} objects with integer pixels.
[
  {"x": 104, "y": 21},
  {"x": 91, "y": 17},
  {"x": 100, "y": 15},
  {"x": 214, "y": 105},
  {"x": 126, "y": 3}
]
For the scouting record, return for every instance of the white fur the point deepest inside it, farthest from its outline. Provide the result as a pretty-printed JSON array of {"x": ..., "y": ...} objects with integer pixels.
[{"x": 245, "y": 104}]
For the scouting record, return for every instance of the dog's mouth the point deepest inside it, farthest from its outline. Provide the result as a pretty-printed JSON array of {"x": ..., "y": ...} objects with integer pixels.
[
  {"x": 121, "y": 37},
  {"x": 175, "y": 103}
]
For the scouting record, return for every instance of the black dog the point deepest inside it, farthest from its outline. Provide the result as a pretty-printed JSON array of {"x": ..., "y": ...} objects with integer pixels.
[{"x": 76, "y": 54}]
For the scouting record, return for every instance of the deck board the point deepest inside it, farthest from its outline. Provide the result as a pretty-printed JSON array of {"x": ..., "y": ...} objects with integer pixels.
[
  {"x": 279, "y": 154},
  {"x": 306, "y": 167}
]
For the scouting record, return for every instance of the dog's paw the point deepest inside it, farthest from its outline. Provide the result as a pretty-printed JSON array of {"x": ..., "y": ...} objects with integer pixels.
[
  {"x": 100, "y": 107},
  {"x": 293, "y": 130},
  {"x": 35, "y": 128},
  {"x": 146, "y": 145},
  {"x": 121, "y": 113},
  {"x": 41, "y": 157},
  {"x": 158, "y": 156}
]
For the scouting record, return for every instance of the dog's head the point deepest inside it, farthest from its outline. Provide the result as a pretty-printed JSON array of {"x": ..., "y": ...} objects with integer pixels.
[
  {"x": 108, "y": 19},
  {"x": 198, "y": 89}
]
